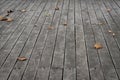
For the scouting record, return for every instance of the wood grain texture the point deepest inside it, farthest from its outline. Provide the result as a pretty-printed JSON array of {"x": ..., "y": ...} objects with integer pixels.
[{"x": 59, "y": 43}]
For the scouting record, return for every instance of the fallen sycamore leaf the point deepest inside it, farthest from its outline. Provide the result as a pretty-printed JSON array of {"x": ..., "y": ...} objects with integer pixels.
[
  {"x": 98, "y": 46},
  {"x": 21, "y": 58},
  {"x": 50, "y": 27},
  {"x": 57, "y": 8},
  {"x": 9, "y": 19}
]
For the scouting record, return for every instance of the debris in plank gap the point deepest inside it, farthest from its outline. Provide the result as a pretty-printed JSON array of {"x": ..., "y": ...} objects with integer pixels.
[
  {"x": 101, "y": 23},
  {"x": 35, "y": 25},
  {"x": 109, "y": 31},
  {"x": 7, "y": 14},
  {"x": 5, "y": 19},
  {"x": 98, "y": 46},
  {"x": 65, "y": 24},
  {"x": 23, "y": 10},
  {"x": 47, "y": 14},
  {"x": 113, "y": 34},
  {"x": 10, "y": 11},
  {"x": 9, "y": 19},
  {"x": 50, "y": 28},
  {"x": 108, "y": 10},
  {"x": 57, "y": 8},
  {"x": 22, "y": 58}
]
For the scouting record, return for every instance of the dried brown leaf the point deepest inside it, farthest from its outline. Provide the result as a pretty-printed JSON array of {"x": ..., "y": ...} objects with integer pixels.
[
  {"x": 21, "y": 58},
  {"x": 50, "y": 28},
  {"x": 65, "y": 24},
  {"x": 57, "y": 8},
  {"x": 2, "y": 18},
  {"x": 9, "y": 19},
  {"x": 98, "y": 46}
]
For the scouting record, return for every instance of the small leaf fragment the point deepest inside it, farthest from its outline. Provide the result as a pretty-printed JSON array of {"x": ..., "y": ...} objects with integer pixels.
[
  {"x": 47, "y": 14},
  {"x": 9, "y": 11},
  {"x": 108, "y": 10},
  {"x": 9, "y": 19},
  {"x": 7, "y": 14},
  {"x": 23, "y": 10},
  {"x": 21, "y": 58},
  {"x": 100, "y": 23},
  {"x": 50, "y": 27},
  {"x": 2, "y": 18},
  {"x": 65, "y": 24},
  {"x": 57, "y": 8},
  {"x": 113, "y": 34},
  {"x": 109, "y": 31},
  {"x": 98, "y": 46}
]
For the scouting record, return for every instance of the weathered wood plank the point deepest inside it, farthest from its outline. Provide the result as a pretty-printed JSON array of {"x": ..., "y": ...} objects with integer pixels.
[
  {"x": 81, "y": 55},
  {"x": 56, "y": 67},
  {"x": 70, "y": 55},
  {"x": 105, "y": 54},
  {"x": 12, "y": 27},
  {"x": 47, "y": 53},
  {"x": 114, "y": 50},
  {"x": 93, "y": 58},
  {"x": 37, "y": 52},
  {"x": 9, "y": 55},
  {"x": 58, "y": 44},
  {"x": 27, "y": 50}
]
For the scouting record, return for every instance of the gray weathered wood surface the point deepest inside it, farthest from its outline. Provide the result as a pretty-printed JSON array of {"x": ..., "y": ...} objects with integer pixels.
[{"x": 58, "y": 44}]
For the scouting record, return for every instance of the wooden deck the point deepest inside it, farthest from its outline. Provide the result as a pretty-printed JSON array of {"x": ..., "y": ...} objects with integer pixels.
[{"x": 59, "y": 44}]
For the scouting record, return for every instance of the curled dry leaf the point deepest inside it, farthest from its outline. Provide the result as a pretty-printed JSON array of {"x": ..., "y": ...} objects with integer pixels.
[
  {"x": 9, "y": 19},
  {"x": 98, "y": 46},
  {"x": 57, "y": 8},
  {"x": 21, "y": 58},
  {"x": 50, "y": 27}
]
